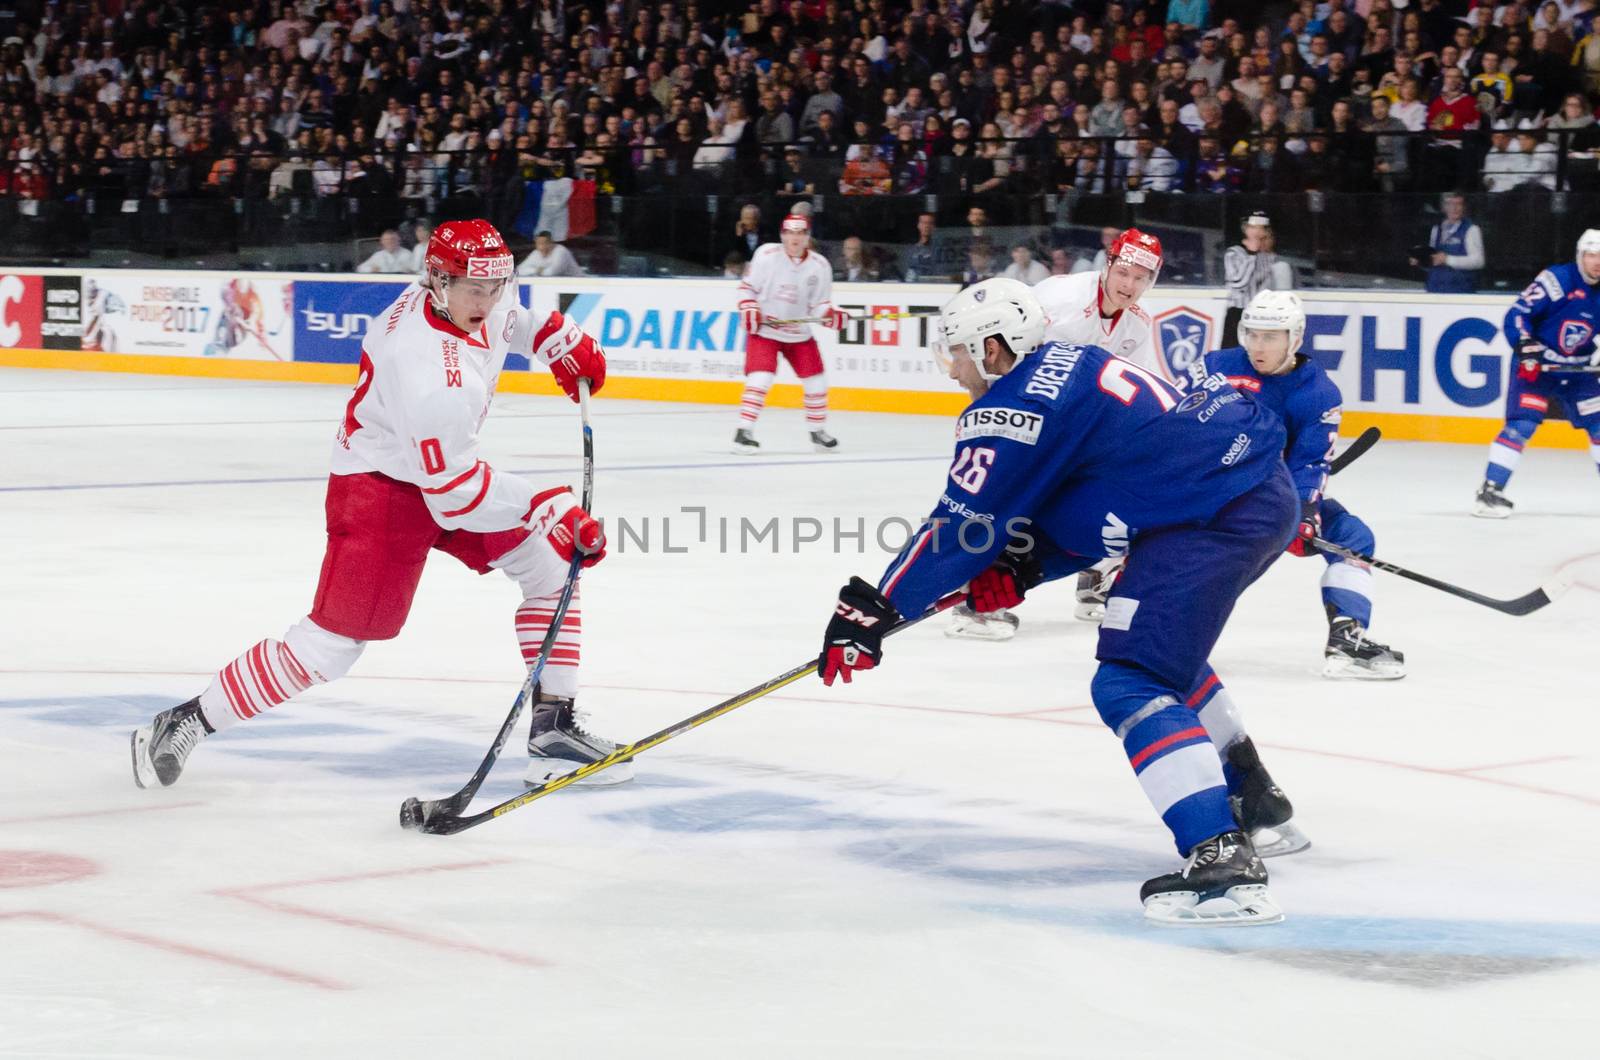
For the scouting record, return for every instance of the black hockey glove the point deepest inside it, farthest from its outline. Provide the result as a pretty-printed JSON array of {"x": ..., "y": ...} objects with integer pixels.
[{"x": 854, "y": 638}]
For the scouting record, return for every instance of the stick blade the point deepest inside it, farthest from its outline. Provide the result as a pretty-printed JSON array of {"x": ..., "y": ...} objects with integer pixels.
[{"x": 1546, "y": 594}]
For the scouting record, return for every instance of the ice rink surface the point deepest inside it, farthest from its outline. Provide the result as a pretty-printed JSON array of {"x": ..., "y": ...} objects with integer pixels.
[{"x": 940, "y": 860}]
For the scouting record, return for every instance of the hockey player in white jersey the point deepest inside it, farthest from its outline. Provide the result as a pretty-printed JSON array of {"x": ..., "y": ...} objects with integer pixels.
[
  {"x": 1098, "y": 308},
  {"x": 407, "y": 479},
  {"x": 786, "y": 281}
]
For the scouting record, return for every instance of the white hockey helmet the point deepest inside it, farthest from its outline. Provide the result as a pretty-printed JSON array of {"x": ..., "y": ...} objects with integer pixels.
[
  {"x": 1275, "y": 311},
  {"x": 1004, "y": 308},
  {"x": 1588, "y": 243}
]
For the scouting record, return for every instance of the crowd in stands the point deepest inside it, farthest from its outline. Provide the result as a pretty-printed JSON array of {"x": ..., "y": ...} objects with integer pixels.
[{"x": 984, "y": 100}]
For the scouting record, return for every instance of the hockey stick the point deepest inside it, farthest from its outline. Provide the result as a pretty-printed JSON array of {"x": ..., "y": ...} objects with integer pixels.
[
  {"x": 1572, "y": 369},
  {"x": 451, "y": 822},
  {"x": 415, "y": 813},
  {"x": 866, "y": 316},
  {"x": 1523, "y": 605},
  {"x": 1366, "y": 440}
]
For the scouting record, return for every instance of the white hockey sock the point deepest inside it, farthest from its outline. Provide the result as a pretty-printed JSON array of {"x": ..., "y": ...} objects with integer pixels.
[
  {"x": 560, "y": 674},
  {"x": 756, "y": 385},
  {"x": 1504, "y": 456},
  {"x": 816, "y": 401},
  {"x": 1219, "y": 714},
  {"x": 274, "y": 671}
]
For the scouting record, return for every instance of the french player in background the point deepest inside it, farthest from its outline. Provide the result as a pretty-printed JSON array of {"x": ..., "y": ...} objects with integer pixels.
[
  {"x": 407, "y": 480},
  {"x": 1551, "y": 329},
  {"x": 1271, "y": 369},
  {"x": 1079, "y": 455},
  {"x": 1099, "y": 308},
  {"x": 787, "y": 281}
]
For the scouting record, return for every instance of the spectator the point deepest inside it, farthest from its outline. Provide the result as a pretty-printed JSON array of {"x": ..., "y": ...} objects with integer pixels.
[
  {"x": 1538, "y": 159},
  {"x": 824, "y": 140},
  {"x": 924, "y": 259},
  {"x": 1392, "y": 157},
  {"x": 823, "y": 100},
  {"x": 746, "y": 235},
  {"x": 1108, "y": 236},
  {"x": 1455, "y": 250},
  {"x": 1409, "y": 109},
  {"x": 854, "y": 264},
  {"x": 1272, "y": 170},
  {"x": 389, "y": 257},
  {"x": 1215, "y": 170},
  {"x": 865, "y": 171},
  {"x": 1576, "y": 115},
  {"x": 1247, "y": 267},
  {"x": 792, "y": 180},
  {"x": 734, "y": 265},
  {"x": 421, "y": 232},
  {"x": 980, "y": 263},
  {"x": 549, "y": 258},
  {"x": 1023, "y": 267},
  {"x": 1152, "y": 167},
  {"x": 1502, "y": 166}
]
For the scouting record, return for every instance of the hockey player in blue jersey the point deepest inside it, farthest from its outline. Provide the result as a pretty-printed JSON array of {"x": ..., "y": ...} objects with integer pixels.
[
  {"x": 1271, "y": 368},
  {"x": 1080, "y": 456},
  {"x": 1551, "y": 328}
]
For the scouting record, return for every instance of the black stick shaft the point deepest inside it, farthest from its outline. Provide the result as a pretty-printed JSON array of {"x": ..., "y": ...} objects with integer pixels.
[{"x": 1522, "y": 605}]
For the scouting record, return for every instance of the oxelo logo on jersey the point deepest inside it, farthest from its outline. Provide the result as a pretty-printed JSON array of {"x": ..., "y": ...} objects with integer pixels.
[{"x": 1019, "y": 425}]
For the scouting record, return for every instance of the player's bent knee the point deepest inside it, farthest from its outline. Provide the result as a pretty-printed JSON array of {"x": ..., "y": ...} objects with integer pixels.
[
  {"x": 535, "y": 566},
  {"x": 326, "y": 656},
  {"x": 1120, "y": 690},
  {"x": 1519, "y": 431}
]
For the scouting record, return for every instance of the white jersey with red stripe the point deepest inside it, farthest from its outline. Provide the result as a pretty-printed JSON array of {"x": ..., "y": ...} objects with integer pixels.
[
  {"x": 786, "y": 289},
  {"x": 421, "y": 397},
  {"x": 1072, "y": 307}
]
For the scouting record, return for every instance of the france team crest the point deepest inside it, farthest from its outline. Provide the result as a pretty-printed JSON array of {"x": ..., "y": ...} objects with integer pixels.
[{"x": 1183, "y": 336}]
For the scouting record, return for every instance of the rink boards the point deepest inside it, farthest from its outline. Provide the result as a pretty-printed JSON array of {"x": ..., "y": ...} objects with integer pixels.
[{"x": 1422, "y": 367}]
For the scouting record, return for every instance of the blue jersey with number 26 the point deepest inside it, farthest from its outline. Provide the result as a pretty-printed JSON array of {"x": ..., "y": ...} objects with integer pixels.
[{"x": 1090, "y": 450}]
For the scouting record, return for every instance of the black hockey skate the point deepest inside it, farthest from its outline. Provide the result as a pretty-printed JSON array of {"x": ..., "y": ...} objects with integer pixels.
[
  {"x": 161, "y": 748},
  {"x": 823, "y": 442},
  {"x": 744, "y": 442},
  {"x": 1223, "y": 884},
  {"x": 1261, "y": 808},
  {"x": 1492, "y": 503},
  {"x": 1350, "y": 653},
  {"x": 558, "y": 744}
]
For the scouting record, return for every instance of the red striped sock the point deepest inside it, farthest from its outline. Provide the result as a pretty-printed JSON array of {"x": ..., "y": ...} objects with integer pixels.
[
  {"x": 560, "y": 674},
  {"x": 261, "y": 678},
  {"x": 817, "y": 410},
  {"x": 751, "y": 404}
]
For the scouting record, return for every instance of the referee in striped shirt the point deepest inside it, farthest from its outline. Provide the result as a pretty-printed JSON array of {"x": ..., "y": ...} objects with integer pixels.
[{"x": 1248, "y": 267}]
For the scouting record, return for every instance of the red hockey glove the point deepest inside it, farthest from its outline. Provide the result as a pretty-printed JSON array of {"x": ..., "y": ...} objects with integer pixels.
[
  {"x": 750, "y": 317},
  {"x": 854, "y": 638},
  {"x": 1530, "y": 356},
  {"x": 1310, "y": 526},
  {"x": 1004, "y": 583},
  {"x": 570, "y": 530},
  {"x": 835, "y": 318},
  {"x": 570, "y": 355}
]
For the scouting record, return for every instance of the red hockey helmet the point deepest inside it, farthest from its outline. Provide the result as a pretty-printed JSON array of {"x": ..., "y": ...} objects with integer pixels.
[
  {"x": 1137, "y": 248},
  {"x": 470, "y": 248}
]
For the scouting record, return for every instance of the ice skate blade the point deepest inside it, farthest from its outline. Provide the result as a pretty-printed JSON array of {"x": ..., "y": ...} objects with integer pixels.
[
  {"x": 1279, "y": 840},
  {"x": 543, "y": 770},
  {"x": 144, "y": 770},
  {"x": 745, "y": 450},
  {"x": 1486, "y": 511},
  {"x": 966, "y": 630},
  {"x": 1090, "y": 612},
  {"x": 1340, "y": 669},
  {"x": 1246, "y": 905},
  {"x": 819, "y": 447}
]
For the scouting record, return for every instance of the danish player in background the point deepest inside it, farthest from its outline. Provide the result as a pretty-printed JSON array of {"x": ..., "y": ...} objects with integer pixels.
[
  {"x": 1099, "y": 308},
  {"x": 1551, "y": 329},
  {"x": 787, "y": 281},
  {"x": 1270, "y": 368},
  {"x": 1088, "y": 454},
  {"x": 408, "y": 479}
]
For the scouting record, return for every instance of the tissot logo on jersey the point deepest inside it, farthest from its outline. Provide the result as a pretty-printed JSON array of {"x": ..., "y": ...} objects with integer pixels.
[{"x": 1018, "y": 425}]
